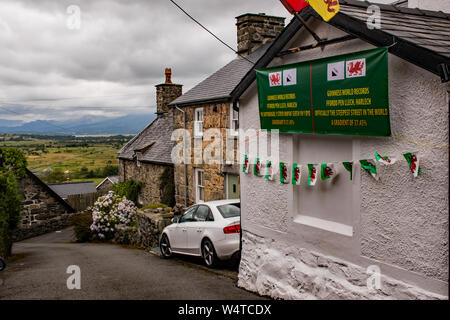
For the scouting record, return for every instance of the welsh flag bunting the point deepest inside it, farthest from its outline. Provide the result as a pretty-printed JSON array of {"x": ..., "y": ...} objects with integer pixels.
[
  {"x": 283, "y": 173},
  {"x": 246, "y": 165},
  {"x": 327, "y": 9},
  {"x": 294, "y": 6},
  {"x": 384, "y": 160},
  {"x": 349, "y": 167},
  {"x": 370, "y": 168},
  {"x": 312, "y": 174},
  {"x": 296, "y": 174},
  {"x": 269, "y": 170},
  {"x": 327, "y": 171},
  {"x": 413, "y": 162},
  {"x": 257, "y": 167}
]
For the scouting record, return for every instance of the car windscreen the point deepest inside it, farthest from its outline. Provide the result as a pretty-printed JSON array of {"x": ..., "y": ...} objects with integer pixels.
[{"x": 230, "y": 210}]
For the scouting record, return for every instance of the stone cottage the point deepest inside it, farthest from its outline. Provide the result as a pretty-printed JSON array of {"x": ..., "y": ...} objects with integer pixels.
[
  {"x": 206, "y": 112},
  {"x": 360, "y": 238},
  {"x": 43, "y": 209},
  {"x": 106, "y": 185},
  {"x": 147, "y": 157}
]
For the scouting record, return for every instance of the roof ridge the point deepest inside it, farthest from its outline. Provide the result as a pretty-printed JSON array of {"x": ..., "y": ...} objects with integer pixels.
[{"x": 390, "y": 7}]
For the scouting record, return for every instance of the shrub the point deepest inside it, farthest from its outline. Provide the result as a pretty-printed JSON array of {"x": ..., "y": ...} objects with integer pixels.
[
  {"x": 128, "y": 189},
  {"x": 167, "y": 187},
  {"x": 82, "y": 226},
  {"x": 108, "y": 212},
  {"x": 12, "y": 167}
]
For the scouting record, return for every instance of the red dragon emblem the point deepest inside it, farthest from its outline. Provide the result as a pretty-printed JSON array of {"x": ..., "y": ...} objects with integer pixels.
[
  {"x": 297, "y": 174},
  {"x": 331, "y": 3},
  {"x": 275, "y": 78},
  {"x": 246, "y": 164},
  {"x": 328, "y": 172},
  {"x": 413, "y": 165},
  {"x": 355, "y": 68},
  {"x": 285, "y": 173},
  {"x": 313, "y": 173},
  {"x": 258, "y": 167}
]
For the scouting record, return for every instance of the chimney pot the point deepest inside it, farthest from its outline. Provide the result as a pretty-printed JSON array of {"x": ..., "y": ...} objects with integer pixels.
[{"x": 168, "y": 76}]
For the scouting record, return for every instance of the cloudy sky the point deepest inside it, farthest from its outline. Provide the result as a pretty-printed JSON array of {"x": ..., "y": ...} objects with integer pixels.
[{"x": 52, "y": 70}]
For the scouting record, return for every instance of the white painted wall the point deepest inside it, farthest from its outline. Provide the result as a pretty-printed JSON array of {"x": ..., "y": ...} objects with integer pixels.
[
  {"x": 398, "y": 223},
  {"x": 434, "y": 5}
]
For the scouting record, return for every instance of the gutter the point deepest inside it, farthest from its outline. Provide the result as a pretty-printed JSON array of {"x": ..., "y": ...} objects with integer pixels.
[{"x": 185, "y": 162}]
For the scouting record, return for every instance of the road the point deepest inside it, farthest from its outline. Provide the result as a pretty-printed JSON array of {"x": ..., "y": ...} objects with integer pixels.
[{"x": 39, "y": 271}]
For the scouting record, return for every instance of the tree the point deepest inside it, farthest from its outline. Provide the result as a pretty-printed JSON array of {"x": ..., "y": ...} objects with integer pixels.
[{"x": 12, "y": 168}]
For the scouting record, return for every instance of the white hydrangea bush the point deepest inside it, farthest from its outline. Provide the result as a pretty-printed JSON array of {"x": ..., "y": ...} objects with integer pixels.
[{"x": 108, "y": 212}]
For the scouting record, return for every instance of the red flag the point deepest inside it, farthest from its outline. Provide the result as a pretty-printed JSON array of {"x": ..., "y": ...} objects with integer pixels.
[{"x": 294, "y": 6}]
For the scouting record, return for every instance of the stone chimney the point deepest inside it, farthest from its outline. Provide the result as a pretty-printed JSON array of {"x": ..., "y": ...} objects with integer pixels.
[
  {"x": 254, "y": 30},
  {"x": 166, "y": 93}
]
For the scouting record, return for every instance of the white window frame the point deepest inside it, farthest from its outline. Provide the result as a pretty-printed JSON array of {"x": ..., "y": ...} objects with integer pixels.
[
  {"x": 198, "y": 186},
  {"x": 233, "y": 120},
  {"x": 198, "y": 122}
]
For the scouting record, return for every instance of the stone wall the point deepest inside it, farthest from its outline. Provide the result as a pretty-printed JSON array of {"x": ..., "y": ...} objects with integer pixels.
[
  {"x": 215, "y": 116},
  {"x": 105, "y": 187},
  {"x": 147, "y": 173},
  {"x": 42, "y": 211},
  {"x": 287, "y": 272},
  {"x": 149, "y": 225}
]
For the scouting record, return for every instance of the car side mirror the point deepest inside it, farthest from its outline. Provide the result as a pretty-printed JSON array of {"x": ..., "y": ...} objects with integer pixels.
[{"x": 175, "y": 220}]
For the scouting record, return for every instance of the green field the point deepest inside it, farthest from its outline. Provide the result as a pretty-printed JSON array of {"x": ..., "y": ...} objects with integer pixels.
[{"x": 84, "y": 158}]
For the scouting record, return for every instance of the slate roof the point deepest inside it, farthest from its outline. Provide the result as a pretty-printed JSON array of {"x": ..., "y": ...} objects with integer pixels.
[
  {"x": 220, "y": 84},
  {"x": 112, "y": 179},
  {"x": 66, "y": 189},
  {"x": 153, "y": 144},
  {"x": 420, "y": 37},
  {"x": 428, "y": 29},
  {"x": 50, "y": 191}
]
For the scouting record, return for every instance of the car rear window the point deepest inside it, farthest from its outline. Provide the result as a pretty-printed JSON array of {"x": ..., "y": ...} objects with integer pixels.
[{"x": 230, "y": 210}]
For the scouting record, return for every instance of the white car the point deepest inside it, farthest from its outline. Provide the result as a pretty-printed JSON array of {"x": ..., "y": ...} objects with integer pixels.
[{"x": 210, "y": 230}]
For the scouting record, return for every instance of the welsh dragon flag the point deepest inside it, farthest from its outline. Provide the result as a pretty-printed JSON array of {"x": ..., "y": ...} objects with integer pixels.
[
  {"x": 294, "y": 6},
  {"x": 413, "y": 162},
  {"x": 296, "y": 174},
  {"x": 370, "y": 168},
  {"x": 269, "y": 170},
  {"x": 313, "y": 173},
  {"x": 246, "y": 164},
  {"x": 349, "y": 167},
  {"x": 384, "y": 160},
  {"x": 283, "y": 173},
  {"x": 257, "y": 167},
  {"x": 328, "y": 171}
]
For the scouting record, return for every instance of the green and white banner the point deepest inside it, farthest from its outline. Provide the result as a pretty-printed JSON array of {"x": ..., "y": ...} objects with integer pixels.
[
  {"x": 370, "y": 168},
  {"x": 328, "y": 171},
  {"x": 387, "y": 161},
  {"x": 269, "y": 170},
  {"x": 346, "y": 95},
  {"x": 413, "y": 162},
  {"x": 257, "y": 167},
  {"x": 313, "y": 172},
  {"x": 296, "y": 174},
  {"x": 284, "y": 173},
  {"x": 245, "y": 164}
]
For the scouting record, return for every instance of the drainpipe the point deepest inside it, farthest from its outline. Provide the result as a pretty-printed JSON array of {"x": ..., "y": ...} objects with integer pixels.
[{"x": 185, "y": 159}]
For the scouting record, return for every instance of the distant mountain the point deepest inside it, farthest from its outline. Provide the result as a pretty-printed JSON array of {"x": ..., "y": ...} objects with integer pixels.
[
  {"x": 130, "y": 124},
  {"x": 10, "y": 123}
]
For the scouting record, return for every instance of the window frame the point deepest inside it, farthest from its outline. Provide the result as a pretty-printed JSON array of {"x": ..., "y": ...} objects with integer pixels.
[
  {"x": 233, "y": 130},
  {"x": 197, "y": 112},
  {"x": 197, "y": 185}
]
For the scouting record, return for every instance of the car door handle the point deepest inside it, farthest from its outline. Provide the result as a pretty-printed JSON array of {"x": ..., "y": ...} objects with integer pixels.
[
  {"x": 199, "y": 230},
  {"x": 184, "y": 230}
]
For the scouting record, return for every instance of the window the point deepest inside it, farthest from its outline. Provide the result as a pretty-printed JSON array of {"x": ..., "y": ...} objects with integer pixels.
[
  {"x": 188, "y": 216},
  {"x": 234, "y": 121},
  {"x": 199, "y": 185},
  {"x": 202, "y": 214},
  {"x": 198, "y": 122},
  {"x": 230, "y": 210}
]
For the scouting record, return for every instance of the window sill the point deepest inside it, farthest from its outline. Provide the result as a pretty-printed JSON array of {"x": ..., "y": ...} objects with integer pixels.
[{"x": 327, "y": 225}]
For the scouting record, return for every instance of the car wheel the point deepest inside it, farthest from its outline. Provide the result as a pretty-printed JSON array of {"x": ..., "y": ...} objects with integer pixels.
[
  {"x": 209, "y": 253},
  {"x": 164, "y": 246}
]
